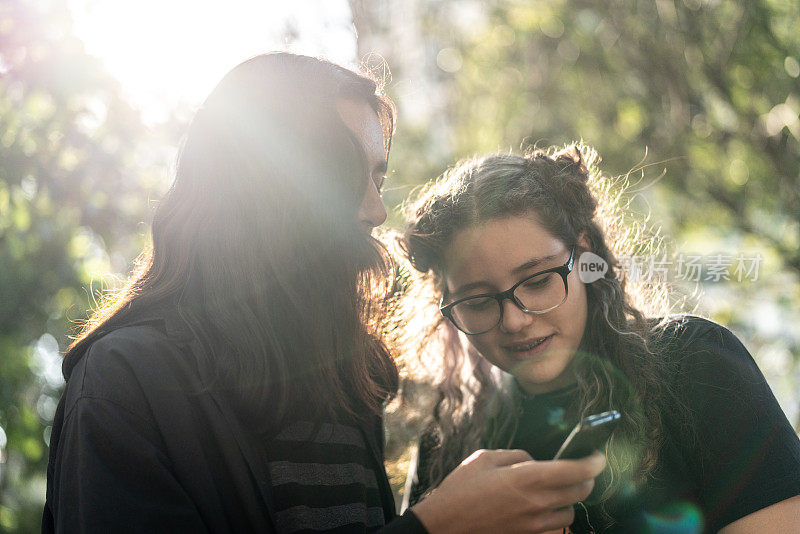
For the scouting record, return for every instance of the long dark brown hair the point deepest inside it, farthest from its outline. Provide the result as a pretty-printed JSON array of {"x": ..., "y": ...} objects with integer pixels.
[
  {"x": 258, "y": 248},
  {"x": 618, "y": 366}
]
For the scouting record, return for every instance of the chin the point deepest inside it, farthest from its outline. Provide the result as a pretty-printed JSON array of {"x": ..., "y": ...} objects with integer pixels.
[
  {"x": 533, "y": 374},
  {"x": 538, "y": 381}
]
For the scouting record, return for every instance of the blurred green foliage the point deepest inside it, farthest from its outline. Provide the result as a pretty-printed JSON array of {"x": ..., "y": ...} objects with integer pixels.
[
  {"x": 706, "y": 92},
  {"x": 76, "y": 165},
  {"x": 708, "y": 88}
]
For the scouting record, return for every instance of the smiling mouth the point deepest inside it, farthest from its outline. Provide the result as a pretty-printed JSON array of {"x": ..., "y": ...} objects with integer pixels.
[{"x": 528, "y": 345}]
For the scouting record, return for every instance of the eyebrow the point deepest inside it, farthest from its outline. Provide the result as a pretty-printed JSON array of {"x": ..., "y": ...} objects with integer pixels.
[{"x": 533, "y": 262}]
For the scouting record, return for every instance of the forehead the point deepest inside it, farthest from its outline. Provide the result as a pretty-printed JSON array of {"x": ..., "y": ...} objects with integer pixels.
[
  {"x": 363, "y": 121},
  {"x": 489, "y": 252}
]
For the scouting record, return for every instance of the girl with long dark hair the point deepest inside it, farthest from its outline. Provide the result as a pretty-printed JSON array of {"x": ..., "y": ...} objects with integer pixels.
[
  {"x": 236, "y": 383},
  {"x": 539, "y": 328}
]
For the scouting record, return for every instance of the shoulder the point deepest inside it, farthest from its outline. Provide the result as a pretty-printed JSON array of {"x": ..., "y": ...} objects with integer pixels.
[
  {"x": 745, "y": 455},
  {"x": 686, "y": 328},
  {"x": 694, "y": 342},
  {"x": 710, "y": 376},
  {"x": 124, "y": 367},
  {"x": 132, "y": 351},
  {"x": 714, "y": 375}
]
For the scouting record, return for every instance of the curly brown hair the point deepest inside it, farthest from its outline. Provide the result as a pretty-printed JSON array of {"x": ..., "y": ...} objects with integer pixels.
[{"x": 474, "y": 406}]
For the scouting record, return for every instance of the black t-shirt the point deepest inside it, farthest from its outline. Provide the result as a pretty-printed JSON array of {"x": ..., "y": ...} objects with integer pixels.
[
  {"x": 746, "y": 455},
  {"x": 669, "y": 497}
]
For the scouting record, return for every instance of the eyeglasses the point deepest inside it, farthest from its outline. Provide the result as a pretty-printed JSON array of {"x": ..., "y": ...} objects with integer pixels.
[{"x": 535, "y": 294}]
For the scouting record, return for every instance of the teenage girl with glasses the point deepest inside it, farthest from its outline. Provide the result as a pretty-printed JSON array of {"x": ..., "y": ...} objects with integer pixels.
[{"x": 702, "y": 444}]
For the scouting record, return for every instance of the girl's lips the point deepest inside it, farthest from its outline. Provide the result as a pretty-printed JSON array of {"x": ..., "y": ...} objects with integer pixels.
[{"x": 519, "y": 351}]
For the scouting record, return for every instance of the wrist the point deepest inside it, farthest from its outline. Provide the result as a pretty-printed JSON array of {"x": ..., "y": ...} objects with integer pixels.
[{"x": 432, "y": 515}]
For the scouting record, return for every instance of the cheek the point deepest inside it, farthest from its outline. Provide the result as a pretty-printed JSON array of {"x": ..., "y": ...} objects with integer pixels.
[
  {"x": 576, "y": 288},
  {"x": 576, "y": 310},
  {"x": 485, "y": 345}
]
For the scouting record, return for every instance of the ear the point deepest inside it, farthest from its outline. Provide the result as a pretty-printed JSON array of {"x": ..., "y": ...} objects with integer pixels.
[{"x": 583, "y": 243}]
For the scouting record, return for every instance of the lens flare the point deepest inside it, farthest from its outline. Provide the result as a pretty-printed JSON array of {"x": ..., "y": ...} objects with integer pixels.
[{"x": 675, "y": 518}]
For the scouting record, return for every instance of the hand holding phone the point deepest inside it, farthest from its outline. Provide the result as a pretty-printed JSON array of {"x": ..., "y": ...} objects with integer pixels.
[
  {"x": 589, "y": 435},
  {"x": 504, "y": 490}
]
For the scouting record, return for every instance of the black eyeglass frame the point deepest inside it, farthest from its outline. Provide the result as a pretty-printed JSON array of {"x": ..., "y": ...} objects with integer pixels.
[{"x": 562, "y": 270}]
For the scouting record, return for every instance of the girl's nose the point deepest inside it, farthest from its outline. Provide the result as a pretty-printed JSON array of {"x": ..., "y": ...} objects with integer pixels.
[{"x": 514, "y": 319}]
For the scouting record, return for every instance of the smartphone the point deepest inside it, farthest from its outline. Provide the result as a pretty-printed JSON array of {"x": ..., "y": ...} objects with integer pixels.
[{"x": 589, "y": 435}]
